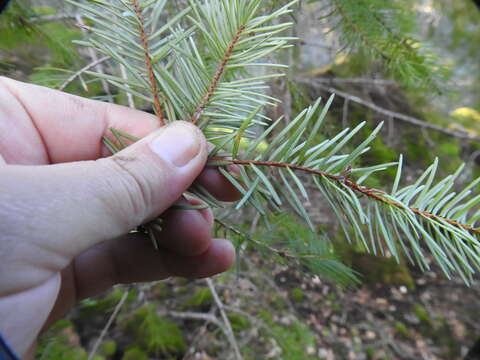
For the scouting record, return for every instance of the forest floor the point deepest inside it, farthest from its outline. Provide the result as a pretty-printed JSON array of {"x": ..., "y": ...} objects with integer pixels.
[{"x": 278, "y": 313}]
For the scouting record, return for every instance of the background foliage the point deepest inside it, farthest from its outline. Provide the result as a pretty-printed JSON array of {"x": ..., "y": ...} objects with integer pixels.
[{"x": 373, "y": 50}]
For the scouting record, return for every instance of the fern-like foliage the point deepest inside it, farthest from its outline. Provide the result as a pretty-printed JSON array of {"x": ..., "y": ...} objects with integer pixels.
[
  {"x": 289, "y": 241},
  {"x": 383, "y": 30},
  {"x": 202, "y": 65}
]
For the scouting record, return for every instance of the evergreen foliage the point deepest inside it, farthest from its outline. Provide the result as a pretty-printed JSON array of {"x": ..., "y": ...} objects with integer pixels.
[
  {"x": 382, "y": 30},
  {"x": 209, "y": 64},
  {"x": 288, "y": 240},
  {"x": 41, "y": 49}
]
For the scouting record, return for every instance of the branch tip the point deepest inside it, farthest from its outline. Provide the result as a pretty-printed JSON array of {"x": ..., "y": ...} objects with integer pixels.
[{"x": 218, "y": 74}]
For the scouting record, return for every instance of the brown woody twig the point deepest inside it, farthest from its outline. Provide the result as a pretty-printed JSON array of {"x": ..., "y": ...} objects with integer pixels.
[
  {"x": 226, "y": 321},
  {"x": 220, "y": 70},
  {"x": 108, "y": 325},
  {"x": 371, "y": 193},
  {"x": 391, "y": 114},
  {"x": 148, "y": 61},
  {"x": 81, "y": 71},
  {"x": 281, "y": 253}
]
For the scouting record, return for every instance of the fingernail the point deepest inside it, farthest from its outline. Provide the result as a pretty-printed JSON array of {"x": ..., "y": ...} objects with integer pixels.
[
  {"x": 226, "y": 250},
  {"x": 177, "y": 144}
]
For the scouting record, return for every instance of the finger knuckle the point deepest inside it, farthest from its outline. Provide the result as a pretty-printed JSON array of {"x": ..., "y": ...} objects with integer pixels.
[{"x": 135, "y": 192}]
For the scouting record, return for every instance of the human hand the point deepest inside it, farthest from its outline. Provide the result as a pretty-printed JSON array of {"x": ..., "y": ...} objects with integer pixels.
[{"x": 66, "y": 208}]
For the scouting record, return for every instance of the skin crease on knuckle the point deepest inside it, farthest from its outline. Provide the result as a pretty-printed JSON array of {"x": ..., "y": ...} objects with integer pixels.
[{"x": 138, "y": 194}]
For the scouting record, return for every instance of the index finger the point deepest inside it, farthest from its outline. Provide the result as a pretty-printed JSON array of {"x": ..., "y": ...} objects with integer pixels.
[
  {"x": 51, "y": 126},
  {"x": 56, "y": 127}
]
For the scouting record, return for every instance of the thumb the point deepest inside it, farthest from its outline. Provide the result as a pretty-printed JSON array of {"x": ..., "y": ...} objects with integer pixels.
[
  {"x": 71, "y": 207},
  {"x": 146, "y": 178}
]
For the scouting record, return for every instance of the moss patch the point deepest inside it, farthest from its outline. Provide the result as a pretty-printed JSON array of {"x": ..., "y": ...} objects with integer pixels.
[
  {"x": 61, "y": 342},
  {"x": 135, "y": 353},
  {"x": 238, "y": 321},
  {"x": 155, "y": 334},
  {"x": 105, "y": 304},
  {"x": 297, "y": 295},
  {"x": 160, "y": 291},
  {"x": 402, "y": 329},
  {"x": 422, "y": 314},
  {"x": 202, "y": 299},
  {"x": 108, "y": 348}
]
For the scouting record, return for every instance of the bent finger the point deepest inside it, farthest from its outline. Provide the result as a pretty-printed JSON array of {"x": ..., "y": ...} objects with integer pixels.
[{"x": 132, "y": 259}]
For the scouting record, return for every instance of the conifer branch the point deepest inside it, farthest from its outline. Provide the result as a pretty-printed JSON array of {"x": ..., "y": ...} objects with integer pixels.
[
  {"x": 319, "y": 258},
  {"x": 81, "y": 71},
  {"x": 108, "y": 325},
  {"x": 281, "y": 253},
  {"x": 359, "y": 32},
  {"x": 404, "y": 42},
  {"x": 218, "y": 74},
  {"x": 98, "y": 66},
  {"x": 148, "y": 61},
  {"x": 368, "y": 26},
  {"x": 226, "y": 321},
  {"x": 369, "y": 192}
]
